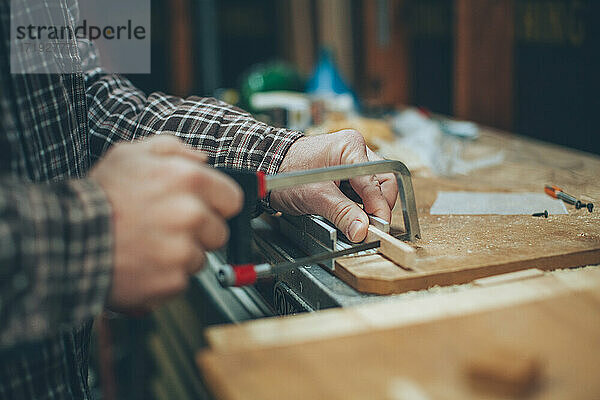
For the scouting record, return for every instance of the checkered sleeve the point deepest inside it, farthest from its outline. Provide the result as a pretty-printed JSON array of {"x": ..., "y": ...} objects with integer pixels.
[
  {"x": 229, "y": 136},
  {"x": 55, "y": 256}
]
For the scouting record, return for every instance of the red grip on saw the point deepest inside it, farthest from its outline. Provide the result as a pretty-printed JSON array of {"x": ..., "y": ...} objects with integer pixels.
[
  {"x": 262, "y": 184},
  {"x": 245, "y": 274}
]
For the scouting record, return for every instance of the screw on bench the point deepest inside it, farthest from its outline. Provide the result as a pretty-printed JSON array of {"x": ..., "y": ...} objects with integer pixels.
[
  {"x": 589, "y": 206},
  {"x": 541, "y": 214}
]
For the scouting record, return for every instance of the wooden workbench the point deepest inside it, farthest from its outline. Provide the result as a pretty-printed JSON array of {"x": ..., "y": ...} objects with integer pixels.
[
  {"x": 422, "y": 347},
  {"x": 430, "y": 344}
]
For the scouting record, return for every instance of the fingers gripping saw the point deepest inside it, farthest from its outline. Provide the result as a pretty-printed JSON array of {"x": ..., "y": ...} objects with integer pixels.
[{"x": 242, "y": 271}]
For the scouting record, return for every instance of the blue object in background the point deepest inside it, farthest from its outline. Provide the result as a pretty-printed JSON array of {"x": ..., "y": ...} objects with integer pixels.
[{"x": 326, "y": 79}]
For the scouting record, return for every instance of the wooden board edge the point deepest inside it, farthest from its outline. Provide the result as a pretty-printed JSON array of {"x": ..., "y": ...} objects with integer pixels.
[
  {"x": 426, "y": 280},
  {"x": 211, "y": 377}
]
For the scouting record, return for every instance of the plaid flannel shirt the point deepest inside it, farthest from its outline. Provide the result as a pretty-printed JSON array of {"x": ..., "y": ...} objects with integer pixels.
[{"x": 56, "y": 244}]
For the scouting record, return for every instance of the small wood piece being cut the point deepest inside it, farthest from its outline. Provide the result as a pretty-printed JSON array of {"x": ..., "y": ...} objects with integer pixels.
[{"x": 394, "y": 249}]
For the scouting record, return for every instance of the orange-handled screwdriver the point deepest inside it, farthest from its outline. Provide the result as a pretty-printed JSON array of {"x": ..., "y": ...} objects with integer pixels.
[{"x": 558, "y": 193}]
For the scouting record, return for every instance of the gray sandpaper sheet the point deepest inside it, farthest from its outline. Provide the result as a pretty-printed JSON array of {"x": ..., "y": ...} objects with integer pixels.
[{"x": 482, "y": 203}]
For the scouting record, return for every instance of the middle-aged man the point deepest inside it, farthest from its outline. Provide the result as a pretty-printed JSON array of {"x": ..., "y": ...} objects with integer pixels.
[{"x": 91, "y": 217}]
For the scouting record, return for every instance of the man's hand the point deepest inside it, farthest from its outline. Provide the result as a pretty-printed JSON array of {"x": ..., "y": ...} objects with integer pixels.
[
  {"x": 168, "y": 209},
  {"x": 344, "y": 147}
]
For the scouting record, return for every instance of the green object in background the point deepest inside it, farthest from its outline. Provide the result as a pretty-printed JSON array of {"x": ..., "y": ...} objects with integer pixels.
[{"x": 269, "y": 77}]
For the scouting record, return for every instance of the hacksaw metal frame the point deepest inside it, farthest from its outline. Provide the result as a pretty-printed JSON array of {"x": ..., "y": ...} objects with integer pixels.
[{"x": 313, "y": 234}]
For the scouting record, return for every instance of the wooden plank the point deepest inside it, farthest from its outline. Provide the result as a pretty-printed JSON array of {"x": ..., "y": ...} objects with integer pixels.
[
  {"x": 511, "y": 276},
  {"x": 458, "y": 249},
  {"x": 386, "y": 53},
  {"x": 432, "y": 359},
  {"x": 402, "y": 310},
  {"x": 484, "y": 42},
  {"x": 505, "y": 373},
  {"x": 181, "y": 48},
  {"x": 335, "y": 32},
  {"x": 299, "y": 45}
]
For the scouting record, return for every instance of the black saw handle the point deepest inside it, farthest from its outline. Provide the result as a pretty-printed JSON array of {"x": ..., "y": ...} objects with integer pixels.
[{"x": 239, "y": 246}]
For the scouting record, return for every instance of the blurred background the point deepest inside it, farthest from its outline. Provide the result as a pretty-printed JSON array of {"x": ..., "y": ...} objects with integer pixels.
[
  {"x": 522, "y": 66},
  {"x": 526, "y": 66}
]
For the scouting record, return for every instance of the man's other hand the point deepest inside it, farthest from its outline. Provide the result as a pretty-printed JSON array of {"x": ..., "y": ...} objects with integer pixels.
[
  {"x": 168, "y": 209},
  {"x": 378, "y": 192}
]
